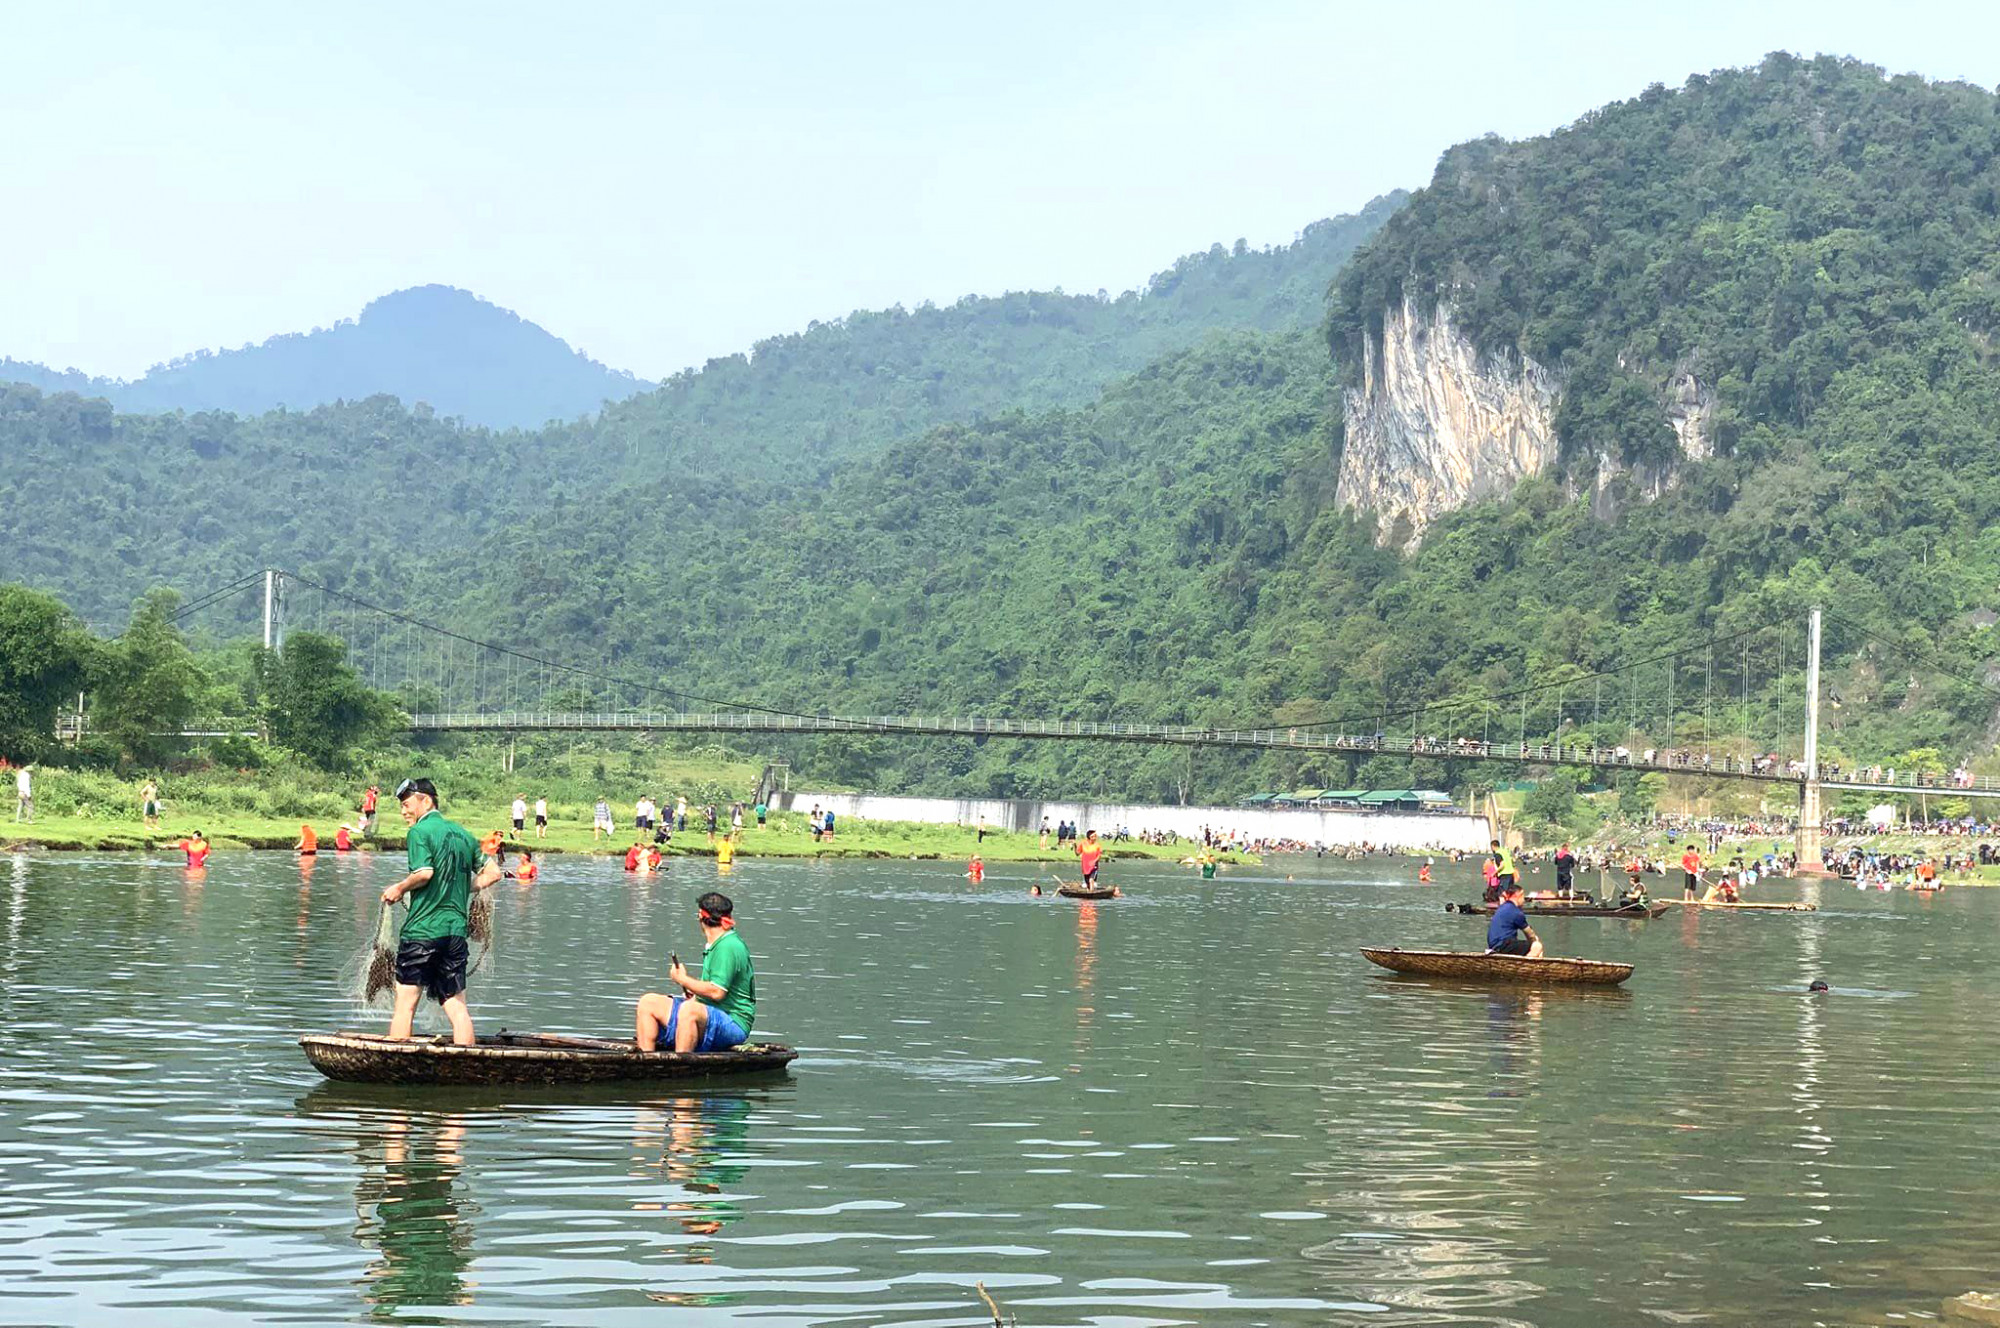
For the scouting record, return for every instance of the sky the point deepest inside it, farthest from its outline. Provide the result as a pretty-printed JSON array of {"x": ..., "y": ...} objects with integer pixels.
[{"x": 660, "y": 184}]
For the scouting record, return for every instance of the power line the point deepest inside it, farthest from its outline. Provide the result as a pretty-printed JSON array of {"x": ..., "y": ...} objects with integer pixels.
[{"x": 1496, "y": 697}]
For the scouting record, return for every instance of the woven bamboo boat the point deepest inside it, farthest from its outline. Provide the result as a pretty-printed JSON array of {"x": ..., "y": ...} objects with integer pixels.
[
  {"x": 1751, "y": 908},
  {"x": 1079, "y": 891},
  {"x": 524, "y": 1058},
  {"x": 1585, "y": 909},
  {"x": 1479, "y": 967}
]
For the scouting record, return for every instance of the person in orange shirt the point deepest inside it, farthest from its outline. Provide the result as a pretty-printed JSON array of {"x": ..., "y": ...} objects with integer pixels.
[
  {"x": 1690, "y": 872},
  {"x": 1089, "y": 852},
  {"x": 1424, "y": 873},
  {"x": 975, "y": 871},
  {"x": 527, "y": 869},
  {"x": 308, "y": 842},
  {"x": 343, "y": 841},
  {"x": 196, "y": 849},
  {"x": 632, "y": 856}
]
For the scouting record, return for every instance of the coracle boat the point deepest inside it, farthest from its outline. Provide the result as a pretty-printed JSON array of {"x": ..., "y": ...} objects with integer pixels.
[
  {"x": 1069, "y": 891},
  {"x": 1584, "y": 908},
  {"x": 1752, "y": 908},
  {"x": 524, "y": 1058},
  {"x": 1475, "y": 966}
]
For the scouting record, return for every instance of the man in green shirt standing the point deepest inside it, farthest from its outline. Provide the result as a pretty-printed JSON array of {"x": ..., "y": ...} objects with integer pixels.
[
  {"x": 444, "y": 871},
  {"x": 726, "y": 1007}
]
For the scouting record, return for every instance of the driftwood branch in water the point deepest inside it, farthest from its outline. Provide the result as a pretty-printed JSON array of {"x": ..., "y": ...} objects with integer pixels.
[{"x": 992, "y": 1308}]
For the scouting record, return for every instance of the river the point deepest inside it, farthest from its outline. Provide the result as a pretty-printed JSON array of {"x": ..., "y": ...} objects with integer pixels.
[{"x": 1196, "y": 1104}]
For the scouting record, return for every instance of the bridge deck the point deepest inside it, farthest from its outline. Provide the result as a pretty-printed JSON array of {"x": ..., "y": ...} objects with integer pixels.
[{"x": 1281, "y": 739}]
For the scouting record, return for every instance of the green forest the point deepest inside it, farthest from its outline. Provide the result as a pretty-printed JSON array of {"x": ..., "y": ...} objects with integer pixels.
[{"x": 1072, "y": 507}]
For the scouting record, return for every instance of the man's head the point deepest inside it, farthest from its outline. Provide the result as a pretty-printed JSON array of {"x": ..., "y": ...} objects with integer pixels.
[
  {"x": 1092, "y": 835},
  {"x": 417, "y": 798},
  {"x": 716, "y": 911},
  {"x": 1496, "y": 843}
]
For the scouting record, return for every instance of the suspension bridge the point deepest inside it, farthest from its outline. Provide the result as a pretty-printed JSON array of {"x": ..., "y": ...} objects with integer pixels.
[{"x": 1739, "y": 706}]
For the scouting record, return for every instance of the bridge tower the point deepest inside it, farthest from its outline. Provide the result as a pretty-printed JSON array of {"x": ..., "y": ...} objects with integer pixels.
[{"x": 1811, "y": 862}]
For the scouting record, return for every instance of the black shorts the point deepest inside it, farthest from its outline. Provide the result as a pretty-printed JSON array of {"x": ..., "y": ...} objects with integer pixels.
[
  {"x": 437, "y": 966},
  {"x": 1090, "y": 877},
  {"x": 1517, "y": 945},
  {"x": 541, "y": 820},
  {"x": 517, "y": 823}
]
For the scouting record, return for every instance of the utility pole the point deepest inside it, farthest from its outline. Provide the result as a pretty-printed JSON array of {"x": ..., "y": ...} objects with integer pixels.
[
  {"x": 1810, "y": 859},
  {"x": 270, "y": 603}
]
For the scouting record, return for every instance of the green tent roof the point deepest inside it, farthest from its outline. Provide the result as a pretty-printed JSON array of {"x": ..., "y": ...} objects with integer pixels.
[{"x": 1342, "y": 794}]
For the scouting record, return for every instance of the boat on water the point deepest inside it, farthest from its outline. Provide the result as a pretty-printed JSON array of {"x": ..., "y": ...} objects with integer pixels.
[
  {"x": 1748, "y": 907},
  {"x": 1078, "y": 890},
  {"x": 525, "y": 1058},
  {"x": 1578, "y": 908},
  {"x": 1476, "y": 966}
]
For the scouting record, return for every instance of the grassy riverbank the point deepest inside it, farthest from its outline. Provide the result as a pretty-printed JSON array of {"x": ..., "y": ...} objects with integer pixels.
[{"x": 94, "y": 810}]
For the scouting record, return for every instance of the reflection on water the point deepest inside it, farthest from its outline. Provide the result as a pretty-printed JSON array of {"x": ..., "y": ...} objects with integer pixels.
[
  {"x": 408, "y": 1209},
  {"x": 1193, "y": 1104}
]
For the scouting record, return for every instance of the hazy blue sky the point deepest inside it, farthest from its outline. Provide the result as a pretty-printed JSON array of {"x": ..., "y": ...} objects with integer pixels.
[{"x": 660, "y": 185}]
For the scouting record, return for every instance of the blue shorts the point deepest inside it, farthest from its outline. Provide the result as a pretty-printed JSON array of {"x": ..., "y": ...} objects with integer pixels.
[{"x": 719, "y": 1032}]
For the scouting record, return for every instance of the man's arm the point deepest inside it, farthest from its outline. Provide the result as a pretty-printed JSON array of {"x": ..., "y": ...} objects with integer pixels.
[
  {"x": 694, "y": 986},
  {"x": 488, "y": 876},
  {"x": 416, "y": 880}
]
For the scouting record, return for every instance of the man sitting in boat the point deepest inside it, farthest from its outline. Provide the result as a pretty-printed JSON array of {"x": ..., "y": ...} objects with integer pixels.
[
  {"x": 1509, "y": 933},
  {"x": 725, "y": 995},
  {"x": 1722, "y": 891}
]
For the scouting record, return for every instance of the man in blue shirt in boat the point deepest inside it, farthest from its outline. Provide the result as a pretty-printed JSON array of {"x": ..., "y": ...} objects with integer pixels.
[
  {"x": 719, "y": 1007},
  {"x": 1509, "y": 933}
]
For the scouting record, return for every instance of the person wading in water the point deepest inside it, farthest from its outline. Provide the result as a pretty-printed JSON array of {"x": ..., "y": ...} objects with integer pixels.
[{"x": 444, "y": 871}]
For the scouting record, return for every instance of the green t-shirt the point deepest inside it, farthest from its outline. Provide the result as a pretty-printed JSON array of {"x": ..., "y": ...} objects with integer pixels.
[
  {"x": 1207, "y": 871},
  {"x": 1503, "y": 863},
  {"x": 437, "y": 907},
  {"x": 727, "y": 965}
]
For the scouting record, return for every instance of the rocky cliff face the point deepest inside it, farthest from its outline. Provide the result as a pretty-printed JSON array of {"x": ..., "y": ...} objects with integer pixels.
[{"x": 1436, "y": 424}]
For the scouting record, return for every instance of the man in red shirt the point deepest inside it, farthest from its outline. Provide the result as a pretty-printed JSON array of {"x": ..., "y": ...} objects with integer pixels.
[{"x": 1690, "y": 872}]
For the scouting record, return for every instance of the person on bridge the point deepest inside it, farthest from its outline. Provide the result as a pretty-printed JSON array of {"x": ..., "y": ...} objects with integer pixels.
[
  {"x": 1509, "y": 933},
  {"x": 1690, "y": 872},
  {"x": 431, "y": 953},
  {"x": 716, "y": 1010}
]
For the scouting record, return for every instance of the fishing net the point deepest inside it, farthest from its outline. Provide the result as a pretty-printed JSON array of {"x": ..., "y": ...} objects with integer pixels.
[{"x": 371, "y": 975}]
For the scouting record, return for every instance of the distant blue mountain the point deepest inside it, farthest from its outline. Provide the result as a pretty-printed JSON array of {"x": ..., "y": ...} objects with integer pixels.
[{"x": 434, "y": 344}]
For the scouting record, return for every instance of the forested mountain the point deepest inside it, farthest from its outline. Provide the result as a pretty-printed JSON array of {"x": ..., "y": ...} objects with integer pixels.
[
  {"x": 1171, "y": 549},
  {"x": 792, "y": 403},
  {"x": 444, "y": 347}
]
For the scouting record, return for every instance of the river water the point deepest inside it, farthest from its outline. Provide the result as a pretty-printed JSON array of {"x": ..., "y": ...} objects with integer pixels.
[{"x": 1196, "y": 1104}]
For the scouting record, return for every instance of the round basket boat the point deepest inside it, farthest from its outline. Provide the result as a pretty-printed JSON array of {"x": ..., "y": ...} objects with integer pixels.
[
  {"x": 1472, "y": 965},
  {"x": 525, "y": 1058},
  {"x": 1086, "y": 891}
]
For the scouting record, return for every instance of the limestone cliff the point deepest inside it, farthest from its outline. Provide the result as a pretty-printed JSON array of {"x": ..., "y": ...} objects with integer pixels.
[{"x": 1437, "y": 424}]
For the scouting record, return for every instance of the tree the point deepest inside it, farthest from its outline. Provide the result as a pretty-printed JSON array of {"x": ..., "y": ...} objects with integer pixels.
[
  {"x": 148, "y": 680},
  {"x": 45, "y": 659},
  {"x": 1552, "y": 800},
  {"x": 316, "y": 703}
]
